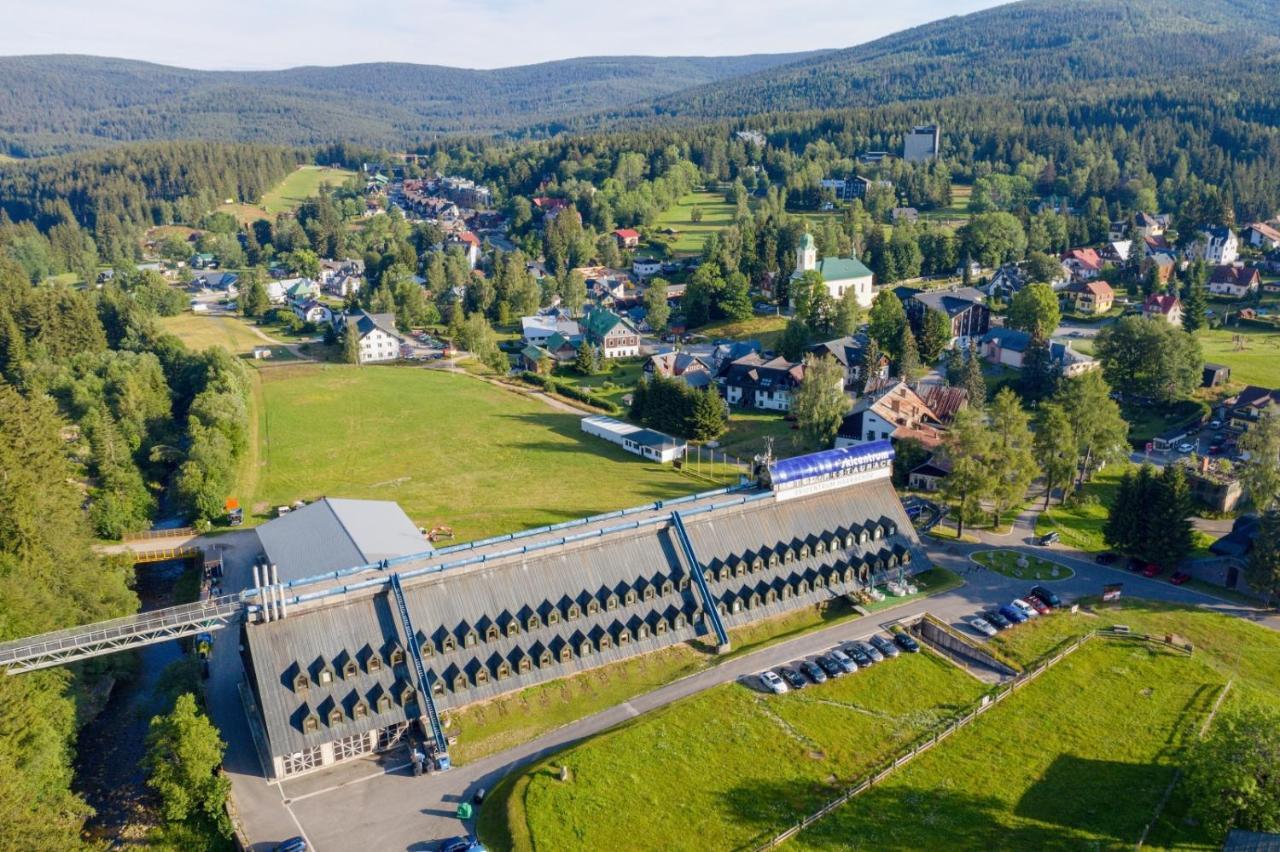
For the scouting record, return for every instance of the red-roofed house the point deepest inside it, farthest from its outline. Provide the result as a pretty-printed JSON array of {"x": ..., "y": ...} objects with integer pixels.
[
  {"x": 1082, "y": 264},
  {"x": 1234, "y": 280},
  {"x": 1263, "y": 236},
  {"x": 550, "y": 207},
  {"x": 627, "y": 237},
  {"x": 470, "y": 245},
  {"x": 1090, "y": 297},
  {"x": 1164, "y": 307}
]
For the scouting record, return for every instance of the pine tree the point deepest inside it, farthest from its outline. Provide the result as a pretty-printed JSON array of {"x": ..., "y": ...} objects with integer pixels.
[
  {"x": 1263, "y": 569},
  {"x": 909, "y": 367},
  {"x": 968, "y": 445},
  {"x": 935, "y": 336},
  {"x": 351, "y": 344},
  {"x": 955, "y": 367},
  {"x": 1054, "y": 448},
  {"x": 974, "y": 382},
  {"x": 584, "y": 362},
  {"x": 1039, "y": 378},
  {"x": 871, "y": 358},
  {"x": 1172, "y": 537},
  {"x": 708, "y": 417},
  {"x": 1012, "y": 457},
  {"x": 1194, "y": 306},
  {"x": 1120, "y": 531}
]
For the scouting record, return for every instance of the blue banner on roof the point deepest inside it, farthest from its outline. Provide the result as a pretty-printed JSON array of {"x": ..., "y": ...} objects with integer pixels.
[{"x": 829, "y": 463}]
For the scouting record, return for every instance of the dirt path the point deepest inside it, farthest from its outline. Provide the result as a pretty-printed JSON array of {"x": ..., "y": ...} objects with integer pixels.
[{"x": 547, "y": 399}]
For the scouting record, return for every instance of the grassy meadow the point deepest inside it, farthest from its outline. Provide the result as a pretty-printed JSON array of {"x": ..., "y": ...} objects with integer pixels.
[
  {"x": 450, "y": 449},
  {"x": 200, "y": 332},
  {"x": 717, "y": 214},
  {"x": 1257, "y": 364},
  {"x": 301, "y": 184}
]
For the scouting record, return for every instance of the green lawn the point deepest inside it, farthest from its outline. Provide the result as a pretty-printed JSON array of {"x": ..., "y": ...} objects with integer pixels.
[
  {"x": 1077, "y": 759},
  {"x": 200, "y": 332},
  {"x": 301, "y": 184},
  {"x": 725, "y": 768},
  {"x": 621, "y": 381},
  {"x": 1081, "y": 525},
  {"x": 716, "y": 215},
  {"x": 1148, "y": 421},
  {"x": 1258, "y": 363},
  {"x": 766, "y": 329},
  {"x": 1006, "y": 562},
  {"x": 749, "y": 432},
  {"x": 450, "y": 449}
]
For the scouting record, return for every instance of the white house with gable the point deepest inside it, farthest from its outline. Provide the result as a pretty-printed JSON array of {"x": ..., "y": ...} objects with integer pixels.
[{"x": 379, "y": 340}]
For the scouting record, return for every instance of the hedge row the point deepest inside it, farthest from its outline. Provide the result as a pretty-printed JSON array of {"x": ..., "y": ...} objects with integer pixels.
[{"x": 550, "y": 385}]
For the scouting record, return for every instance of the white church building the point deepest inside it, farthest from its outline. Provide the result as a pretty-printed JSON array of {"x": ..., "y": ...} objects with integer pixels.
[{"x": 840, "y": 274}]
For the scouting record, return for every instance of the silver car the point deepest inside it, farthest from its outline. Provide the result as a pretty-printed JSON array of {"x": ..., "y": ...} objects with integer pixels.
[{"x": 980, "y": 625}]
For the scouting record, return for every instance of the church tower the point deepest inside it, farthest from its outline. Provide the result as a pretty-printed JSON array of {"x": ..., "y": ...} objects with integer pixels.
[{"x": 806, "y": 255}]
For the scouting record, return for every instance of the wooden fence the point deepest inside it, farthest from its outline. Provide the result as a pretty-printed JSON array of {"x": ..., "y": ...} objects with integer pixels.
[{"x": 929, "y": 740}]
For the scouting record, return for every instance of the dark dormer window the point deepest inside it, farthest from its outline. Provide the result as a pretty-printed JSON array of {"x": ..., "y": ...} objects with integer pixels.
[
  {"x": 667, "y": 587},
  {"x": 360, "y": 711},
  {"x": 492, "y": 634},
  {"x": 407, "y": 695},
  {"x": 532, "y": 623},
  {"x": 648, "y": 593},
  {"x": 350, "y": 669},
  {"x": 471, "y": 638},
  {"x": 300, "y": 683},
  {"x": 513, "y": 627},
  {"x": 375, "y": 663},
  {"x": 384, "y": 703},
  {"x": 311, "y": 724},
  {"x": 574, "y": 612},
  {"x": 335, "y": 717},
  {"x": 449, "y": 644},
  {"x": 612, "y": 603},
  {"x": 397, "y": 657},
  {"x": 593, "y": 607},
  {"x": 630, "y": 597}
]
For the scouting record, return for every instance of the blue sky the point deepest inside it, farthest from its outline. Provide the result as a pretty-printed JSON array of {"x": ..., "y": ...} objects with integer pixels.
[{"x": 468, "y": 33}]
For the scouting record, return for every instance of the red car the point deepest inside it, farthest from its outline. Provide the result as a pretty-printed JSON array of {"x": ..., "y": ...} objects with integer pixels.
[
  {"x": 1179, "y": 577},
  {"x": 1151, "y": 569},
  {"x": 1037, "y": 604}
]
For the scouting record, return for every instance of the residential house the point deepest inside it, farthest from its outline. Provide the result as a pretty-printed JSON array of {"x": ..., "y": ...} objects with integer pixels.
[
  {"x": 203, "y": 260},
  {"x": 610, "y": 334},
  {"x": 309, "y": 310},
  {"x": 294, "y": 290},
  {"x": 690, "y": 369},
  {"x": 627, "y": 238},
  {"x": 943, "y": 400},
  {"x": 849, "y": 352},
  {"x": 535, "y": 331},
  {"x": 1082, "y": 264},
  {"x": 1234, "y": 279},
  {"x": 645, "y": 267},
  {"x": 1007, "y": 280},
  {"x": 1090, "y": 297},
  {"x": 1116, "y": 252},
  {"x": 893, "y": 412},
  {"x": 1008, "y": 347},
  {"x": 964, "y": 307},
  {"x": 1156, "y": 245},
  {"x": 1147, "y": 225},
  {"x": 852, "y": 188},
  {"x": 1167, "y": 307},
  {"x": 756, "y": 382},
  {"x": 839, "y": 274},
  {"x": 470, "y": 245},
  {"x": 929, "y": 475},
  {"x": 550, "y": 207},
  {"x": 1164, "y": 264},
  {"x": 905, "y": 214},
  {"x": 341, "y": 278},
  {"x": 1263, "y": 235},
  {"x": 723, "y": 354},
  {"x": 1246, "y": 407},
  {"x": 379, "y": 340},
  {"x": 604, "y": 285},
  {"x": 226, "y": 282},
  {"x": 1216, "y": 245},
  {"x": 533, "y": 357},
  {"x": 563, "y": 349}
]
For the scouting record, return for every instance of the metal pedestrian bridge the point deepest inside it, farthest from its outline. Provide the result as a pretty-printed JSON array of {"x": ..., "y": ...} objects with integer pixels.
[{"x": 107, "y": 637}]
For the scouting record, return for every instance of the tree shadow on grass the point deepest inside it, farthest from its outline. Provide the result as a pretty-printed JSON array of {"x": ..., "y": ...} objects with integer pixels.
[
  {"x": 1102, "y": 797},
  {"x": 887, "y": 817}
]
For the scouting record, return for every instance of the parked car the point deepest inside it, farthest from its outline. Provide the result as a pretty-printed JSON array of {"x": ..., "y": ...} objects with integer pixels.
[
  {"x": 1047, "y": 595},
  {"x": 461, "y": 844},
  {"x": 1179, "y": 577},
  {"x": 1151, "y": 569},
  {"x": 995, "y": 619},
  {"x": 907, "y": 643},
  {"x": 813, "y": 671},
  {"x": 1014, "y": 614},
  {"x": 1107, "y": 558},
  {"x": 1135, "y": 564},
  {"x": 980, "y": 625},
  {"x": 1038, "y": 605},
  {"x": 1186, "y": 448},
  {"x": 1048, "y": 539},
  {"x": 773, "y": 683},
  {"x": 830, "y": 666},
  {"x": 1025, "y": 608},
  {"x": 296, "y": 844},
  {"x": 859, "y": 656},
  {"x": 794, "y": 679},
  {"x": 871, "y": 651},
  {"x": 884, "y": 646},
  {"x": 1215, "y": 424},
  {"x": 844, "y": 660}
]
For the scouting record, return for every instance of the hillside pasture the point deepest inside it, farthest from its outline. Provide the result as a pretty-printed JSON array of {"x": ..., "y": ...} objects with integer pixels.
[
  {"x": 450, "y": 449},
  {"x": 717, "y": 214},
  {"x": 1257, "y": 363},
  {"x": 301, "y": 184}
]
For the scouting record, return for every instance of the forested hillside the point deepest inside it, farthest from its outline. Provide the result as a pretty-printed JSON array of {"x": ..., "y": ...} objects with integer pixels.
[
  {"x": 1020, "y": 49},
  {"x": 53, "y": 104}
]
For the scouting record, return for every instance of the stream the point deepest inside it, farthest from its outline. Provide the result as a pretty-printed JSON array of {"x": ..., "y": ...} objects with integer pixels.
[{"x": 109, "y": 750}]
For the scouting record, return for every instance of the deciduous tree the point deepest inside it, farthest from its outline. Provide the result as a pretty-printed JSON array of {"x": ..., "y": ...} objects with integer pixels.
[
  {"x": 819, "y": 404},
  {"x": 1231, "y": 779}
]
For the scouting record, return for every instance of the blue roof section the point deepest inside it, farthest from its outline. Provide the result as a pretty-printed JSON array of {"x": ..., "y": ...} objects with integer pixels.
[{"x": 828, "y": 462}]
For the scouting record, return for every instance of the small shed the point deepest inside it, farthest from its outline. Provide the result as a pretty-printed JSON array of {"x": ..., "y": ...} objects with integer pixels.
[
  {"x": 261, "y": 352},
  {"x": 1215, "y": 375},
  {"x": 1170, "y": 438}
]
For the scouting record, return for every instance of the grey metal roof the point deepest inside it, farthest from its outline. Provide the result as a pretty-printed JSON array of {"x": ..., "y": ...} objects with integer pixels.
[
  {"x": 333, "y": 534},
  {"x": 472, "y": 621}
]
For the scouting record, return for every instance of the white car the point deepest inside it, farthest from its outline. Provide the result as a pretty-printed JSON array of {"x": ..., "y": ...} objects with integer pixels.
[
  {"x": 1025, "y": 608},
  {"x": 980, "y": 625},
  {"x": 773, "y": 683},
  {"x": 1186, "y": 448}
]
